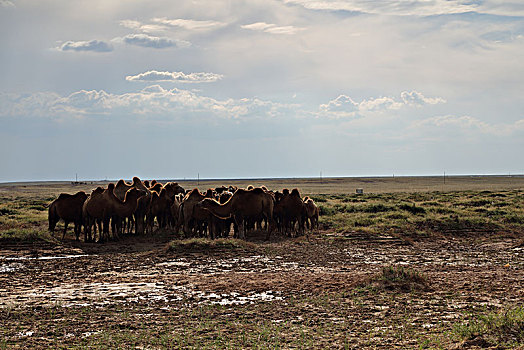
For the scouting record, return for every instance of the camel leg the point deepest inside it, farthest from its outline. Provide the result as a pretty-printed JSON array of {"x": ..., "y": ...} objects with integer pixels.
[{"x": 65, "y": 229}]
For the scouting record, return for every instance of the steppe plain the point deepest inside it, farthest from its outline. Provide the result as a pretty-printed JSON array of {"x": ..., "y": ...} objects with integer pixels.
[{"x": 413, "y": 262}]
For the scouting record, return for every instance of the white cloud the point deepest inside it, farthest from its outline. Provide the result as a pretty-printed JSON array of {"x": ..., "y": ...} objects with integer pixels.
[
  {"x": 450, "y": 125},
  {"x": 189, "y": 24},
  {"x": 145, "y": 40},
  {"x": 181, "y": 77},
  {"x": 93, "y": 45},
  {"x": 415, "y": 98},
  {"x": 272, "y": 28},
  {"x": 150, "y": 101},
  {"x": 146, "y": 28},
  {"x": 415, "y": 7},
  {"x": 6, "y": 3},
  {"x": 344, "y": 106},
  {"x": 342, "y": 103}
]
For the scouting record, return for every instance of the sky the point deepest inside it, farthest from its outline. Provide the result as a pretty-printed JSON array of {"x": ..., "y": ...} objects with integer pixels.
[{"x": 162, "y": 89}]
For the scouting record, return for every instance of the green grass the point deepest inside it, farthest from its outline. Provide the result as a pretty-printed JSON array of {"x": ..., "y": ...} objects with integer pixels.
[
  {"x": 26, "y": 235},
  {"x": 504, "y": 328},
  {"x": 420, "y": 214}
]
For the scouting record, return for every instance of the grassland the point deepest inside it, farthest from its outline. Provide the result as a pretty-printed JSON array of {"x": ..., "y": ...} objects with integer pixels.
[{"x": 412, "y": 263}]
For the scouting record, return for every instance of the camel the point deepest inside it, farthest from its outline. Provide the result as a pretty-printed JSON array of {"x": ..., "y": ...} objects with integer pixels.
[
  {"x": 102, "y": 206},
  {"x": 175, "y": 210},
  {"x": 68, "y": 208},
  {"x": 93, "y": 213},
  {"x": 143, "y": 205},
  {"x": 244, "y": 204},
  {"x": 121, "y": 187},
  {"x": 196, "y": 216},
  {"x": 159, "y": 208},
  {"x": 121, "y": 210},
  {"x": 290, "y": 210},
  {"x": 312, "y": 213},
  {"x": 173, "y": 189}
]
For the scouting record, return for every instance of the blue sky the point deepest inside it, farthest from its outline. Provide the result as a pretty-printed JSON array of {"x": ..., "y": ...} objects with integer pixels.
[{"x": 287, "y": 88}]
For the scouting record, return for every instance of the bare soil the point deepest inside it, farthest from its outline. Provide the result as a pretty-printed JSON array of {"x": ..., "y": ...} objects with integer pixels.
[{"x": 306, "y": 292}]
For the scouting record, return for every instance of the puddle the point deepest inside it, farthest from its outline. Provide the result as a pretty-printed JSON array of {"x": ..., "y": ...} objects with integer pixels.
[
  {"x": 238, "y": 299},
  {"x": 43, "y": 257},
  {"x": 99, "y": 294},
  {"x": 6, "y": 268}
]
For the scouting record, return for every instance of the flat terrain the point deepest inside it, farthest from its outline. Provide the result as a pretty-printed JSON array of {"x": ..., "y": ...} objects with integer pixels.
[{"x": 413, "y": 263}]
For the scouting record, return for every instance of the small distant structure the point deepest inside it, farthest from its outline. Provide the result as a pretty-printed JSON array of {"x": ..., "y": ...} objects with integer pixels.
[
  {"x": 360, "y": 191},
  {"x": 76, "y": 182}
]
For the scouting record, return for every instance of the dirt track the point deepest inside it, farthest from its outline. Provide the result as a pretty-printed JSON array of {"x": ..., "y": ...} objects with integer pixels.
[{"x": 465, "y": 274}]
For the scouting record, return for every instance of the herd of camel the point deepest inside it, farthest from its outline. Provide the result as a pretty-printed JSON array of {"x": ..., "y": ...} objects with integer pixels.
[{"x": 134, "y": 207}]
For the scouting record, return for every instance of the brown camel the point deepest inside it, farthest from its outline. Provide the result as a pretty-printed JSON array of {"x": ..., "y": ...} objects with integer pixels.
[
  {"x": 143, "y": 205},
  {"x": 312, "y": 213},
  {"x": 122, "y": 187},
  {"x": 101, "y": 207},
  {"x": 93, "y": 212},
  {"x": 195, "y": 218},
  {"x": 160, "y": 205},
  {"x": 244, "y": 204},
  {"x": 291, "y": 211},
  {"x": 120, "y": 191},
  {"x": 125, "y": 209},
  {"x": 173, "y": 188},
  {"x": 68, "y": 208}
]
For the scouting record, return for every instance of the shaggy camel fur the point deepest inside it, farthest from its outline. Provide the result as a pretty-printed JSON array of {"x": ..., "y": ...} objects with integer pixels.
[
  {"x": 244, "y": 204},
  {"x": 312, "y": 213},
  {"x": 160, "y": 205},
  {"x": 68, "y": 208},
  {"x": 173, "y": 188},
  {"x": 121, "y": 187},
  {"x": 192, "y": 216},
  {"x": 101, "y": 207}
]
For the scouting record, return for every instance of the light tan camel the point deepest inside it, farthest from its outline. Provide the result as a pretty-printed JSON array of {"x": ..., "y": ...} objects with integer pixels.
[
  {"x": 312, "y": 213},
  {"x": 244, "y": 204},
  {"x": 68, "y": 208}
]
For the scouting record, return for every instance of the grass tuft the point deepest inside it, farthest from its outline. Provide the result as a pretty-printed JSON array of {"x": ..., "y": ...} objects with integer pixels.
[
  {"x": 399, "y": 278},
  {"x": 504, "y": 329}
]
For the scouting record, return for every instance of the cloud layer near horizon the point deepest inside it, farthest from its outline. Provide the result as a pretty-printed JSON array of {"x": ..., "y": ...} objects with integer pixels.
[{"x": 350, "y": 87}]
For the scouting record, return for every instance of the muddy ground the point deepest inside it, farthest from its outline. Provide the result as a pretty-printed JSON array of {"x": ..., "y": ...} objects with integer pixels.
[{"x": 315, "y": 292}]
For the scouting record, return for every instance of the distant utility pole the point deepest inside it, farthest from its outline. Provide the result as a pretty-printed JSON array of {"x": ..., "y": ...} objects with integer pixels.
[
  {"x": 320, "y": 176},
  {"x": 198, "y": 179},
  {"x": 444, "y": 177}
]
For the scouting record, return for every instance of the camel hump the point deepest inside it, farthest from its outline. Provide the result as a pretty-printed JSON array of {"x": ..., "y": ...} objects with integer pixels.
[
  {"x": 258, "y": 190},
  {"x": 63, "y": 196},
  {"x": 136, "y": 179},
  {"x": 111, "y": 186},
  {"x": 81, "y": 194},
  {"x": 120, "y": 182},
  {"x": 295, "y": 192},
  {"x": 285, "y": 191}
]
